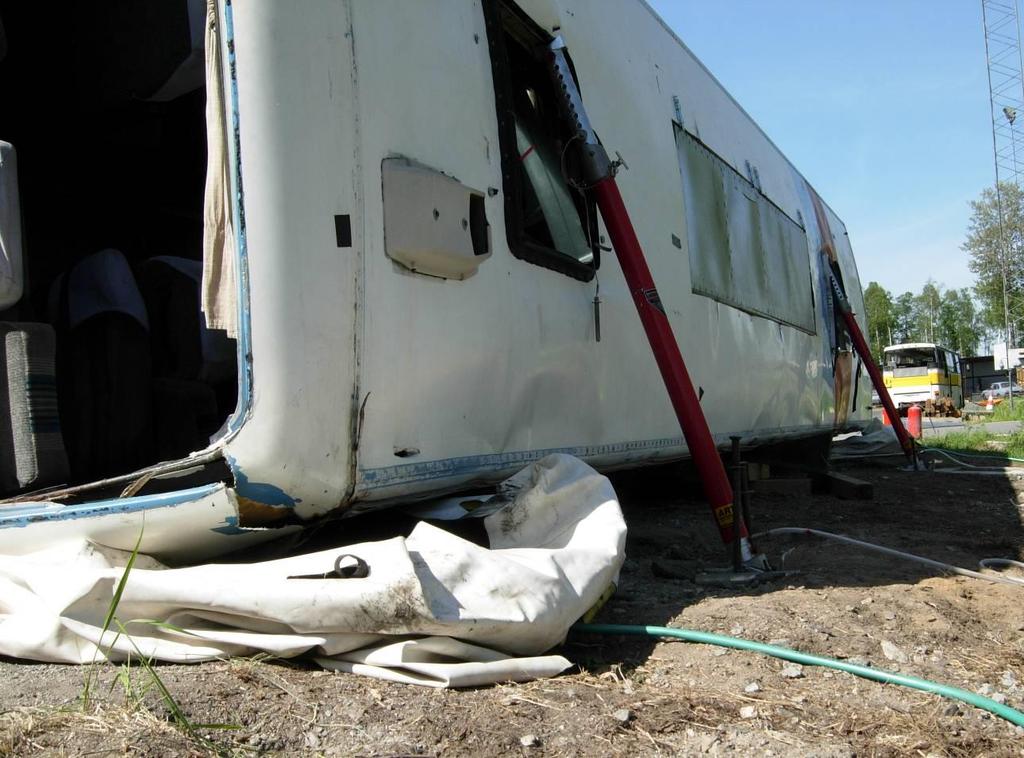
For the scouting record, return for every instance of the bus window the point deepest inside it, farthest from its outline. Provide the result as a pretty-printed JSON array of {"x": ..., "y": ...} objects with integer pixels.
[
  {"x": 551, "y": 218},
  {"x": 914, "y": 357}
]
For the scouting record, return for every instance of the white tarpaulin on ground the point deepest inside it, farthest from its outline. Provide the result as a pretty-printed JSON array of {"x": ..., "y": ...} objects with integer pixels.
[
  {"x": 435, "y": 609},
  {"x": 875, "y": 440}
]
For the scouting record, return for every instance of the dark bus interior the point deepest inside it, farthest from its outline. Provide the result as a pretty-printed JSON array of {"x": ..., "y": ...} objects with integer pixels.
[{"x": 103, "y": 104}]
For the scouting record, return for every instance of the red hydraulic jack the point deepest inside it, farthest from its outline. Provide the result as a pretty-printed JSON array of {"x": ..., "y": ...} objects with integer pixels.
[
  {"x": 599, "y": 172},
  {"x": 842, "y": 303},
  {"x": 829, "y": 259}
]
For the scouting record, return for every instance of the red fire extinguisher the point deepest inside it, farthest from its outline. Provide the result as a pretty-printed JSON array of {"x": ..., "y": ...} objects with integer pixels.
[{"x": 914, "y": 421}]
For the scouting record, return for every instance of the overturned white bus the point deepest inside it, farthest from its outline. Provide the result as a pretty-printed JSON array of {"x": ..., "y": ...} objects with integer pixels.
[{"x": 261, "y": 263}]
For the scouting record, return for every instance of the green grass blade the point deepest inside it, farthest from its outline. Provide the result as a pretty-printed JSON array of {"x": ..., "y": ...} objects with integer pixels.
[
  {"x": 111, "y": 610},
  {"x": 119, "y": 590}
]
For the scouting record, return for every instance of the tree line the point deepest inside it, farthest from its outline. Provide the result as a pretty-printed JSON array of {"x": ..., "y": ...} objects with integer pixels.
[
  {"x": 948, "y": 317},
  {"x": 995, "y": 244},
  {"x": 961, "y": 318}
]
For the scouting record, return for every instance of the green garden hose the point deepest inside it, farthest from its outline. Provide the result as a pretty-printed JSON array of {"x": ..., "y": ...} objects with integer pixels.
[{"x": 737, "y": 643}]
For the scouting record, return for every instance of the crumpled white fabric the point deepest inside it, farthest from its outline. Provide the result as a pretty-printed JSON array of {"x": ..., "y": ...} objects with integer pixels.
[
  {"x": 220, "y": 278},
  {"x": 435, "y": 608},
  {"x": 875, "y": 440}
]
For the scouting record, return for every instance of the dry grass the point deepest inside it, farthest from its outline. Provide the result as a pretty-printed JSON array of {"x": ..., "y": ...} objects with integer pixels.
[{"x": 105, "y": 728}]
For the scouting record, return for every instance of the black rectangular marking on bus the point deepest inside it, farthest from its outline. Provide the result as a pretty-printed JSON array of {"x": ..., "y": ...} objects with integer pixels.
[{"x": 343, "y": 230}]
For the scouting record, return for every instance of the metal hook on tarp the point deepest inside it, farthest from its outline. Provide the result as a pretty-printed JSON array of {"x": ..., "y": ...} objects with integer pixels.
[{"x": 346, "y": 566}]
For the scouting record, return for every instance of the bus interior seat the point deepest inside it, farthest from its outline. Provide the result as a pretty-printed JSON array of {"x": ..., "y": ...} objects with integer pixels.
[
  {"x": 32, "y": 453},
  {"x": 171, "y": 296},
  {"x": 104, "y": 367},
  {"x": 187, "y": 411}
]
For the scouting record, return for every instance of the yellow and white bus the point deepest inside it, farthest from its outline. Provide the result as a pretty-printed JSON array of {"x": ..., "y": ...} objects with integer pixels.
[{"x": 923, "y": 373}]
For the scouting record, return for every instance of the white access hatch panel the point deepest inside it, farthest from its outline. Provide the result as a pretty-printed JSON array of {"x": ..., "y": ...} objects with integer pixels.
[
  {"x": 433, "y": 224},
  {"x": 10, "y": 229}
]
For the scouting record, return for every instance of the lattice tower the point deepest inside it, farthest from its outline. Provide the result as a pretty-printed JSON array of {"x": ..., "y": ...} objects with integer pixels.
[{"x": 1006, "y": 87}]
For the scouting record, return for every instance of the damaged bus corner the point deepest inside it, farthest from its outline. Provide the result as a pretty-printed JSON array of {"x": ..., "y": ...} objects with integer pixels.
[{"x": 129, "y": 361}]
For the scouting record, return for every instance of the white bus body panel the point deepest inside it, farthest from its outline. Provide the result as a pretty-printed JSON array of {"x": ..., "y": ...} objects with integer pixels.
[{"x": 371, "y": 382}]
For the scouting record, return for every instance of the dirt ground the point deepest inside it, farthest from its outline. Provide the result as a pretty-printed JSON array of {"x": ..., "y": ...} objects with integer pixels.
[{"x": 631, "y": 696}]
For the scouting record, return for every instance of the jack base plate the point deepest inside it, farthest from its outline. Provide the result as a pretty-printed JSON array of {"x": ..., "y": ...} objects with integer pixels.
[{"x": 726, "y": 577}]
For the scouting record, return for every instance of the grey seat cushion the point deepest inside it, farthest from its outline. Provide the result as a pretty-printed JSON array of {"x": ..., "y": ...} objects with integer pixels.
[{"x": 32, "y": 450}]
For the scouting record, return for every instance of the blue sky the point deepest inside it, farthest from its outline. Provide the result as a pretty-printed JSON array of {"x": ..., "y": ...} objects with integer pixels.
[{"x": 881, "y": 104}]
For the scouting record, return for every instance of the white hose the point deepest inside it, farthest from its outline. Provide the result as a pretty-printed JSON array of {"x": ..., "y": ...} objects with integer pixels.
[
  {"x": 986, "y": 562},
  {"x": 958, "y": 462},
  {"x": 947, "y": 567}
]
